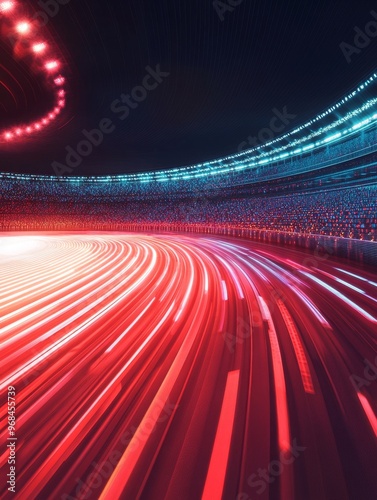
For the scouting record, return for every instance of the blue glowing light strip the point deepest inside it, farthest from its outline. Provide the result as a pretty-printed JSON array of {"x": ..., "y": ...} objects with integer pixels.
[{"x": 250, "y": 158}]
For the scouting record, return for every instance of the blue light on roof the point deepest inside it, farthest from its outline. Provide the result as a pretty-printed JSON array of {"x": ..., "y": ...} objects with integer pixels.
[{"x": 314, "y": 137}]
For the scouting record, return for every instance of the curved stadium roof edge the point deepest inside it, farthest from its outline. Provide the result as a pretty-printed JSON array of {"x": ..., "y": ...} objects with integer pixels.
[{"x": 362, "y": 117}]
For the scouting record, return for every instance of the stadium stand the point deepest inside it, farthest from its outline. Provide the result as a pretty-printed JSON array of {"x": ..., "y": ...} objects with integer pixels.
[{"x": 307, "y": 182}]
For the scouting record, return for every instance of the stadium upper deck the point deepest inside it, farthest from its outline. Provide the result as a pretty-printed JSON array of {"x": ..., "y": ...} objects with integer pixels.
[{"x": 345, "y": 131}]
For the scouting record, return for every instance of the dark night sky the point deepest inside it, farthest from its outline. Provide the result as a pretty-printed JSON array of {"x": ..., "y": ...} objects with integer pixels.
[{"x": 225, "y": 77}]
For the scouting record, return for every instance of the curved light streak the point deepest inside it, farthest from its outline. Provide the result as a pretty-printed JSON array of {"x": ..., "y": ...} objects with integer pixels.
[
  {"x": 33, "y": 39},
  {"x": 183, "y": 365}
]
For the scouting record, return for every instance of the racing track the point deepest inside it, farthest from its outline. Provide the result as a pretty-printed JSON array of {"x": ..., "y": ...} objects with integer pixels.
[{"x": 182, "y": 367}]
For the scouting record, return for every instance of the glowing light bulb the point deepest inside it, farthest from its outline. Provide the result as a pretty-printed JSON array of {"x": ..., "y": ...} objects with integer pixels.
[
  {"x": 39, "y": 47},
  {"x": 23, "y": 28},
  {"x": 51, "y": 65},
  {"x": 59, "y": 80},
  {"x": 6, "y": 6}
]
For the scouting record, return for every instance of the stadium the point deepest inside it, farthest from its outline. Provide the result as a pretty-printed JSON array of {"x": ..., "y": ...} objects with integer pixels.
[{"x": 205, "y": 331}]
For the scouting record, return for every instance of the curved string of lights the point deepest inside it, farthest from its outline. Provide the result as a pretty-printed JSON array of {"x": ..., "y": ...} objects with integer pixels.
[{"x": 26, "y": 31}]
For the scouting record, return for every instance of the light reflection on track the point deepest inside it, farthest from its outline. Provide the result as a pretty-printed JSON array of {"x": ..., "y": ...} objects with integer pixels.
[{"x": 187, "y": 367}]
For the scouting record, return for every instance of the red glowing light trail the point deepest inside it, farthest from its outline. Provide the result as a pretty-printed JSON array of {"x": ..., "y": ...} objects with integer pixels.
[
  {"x": 214, "y": 485},
  {"x": 132, "y": 373}
]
